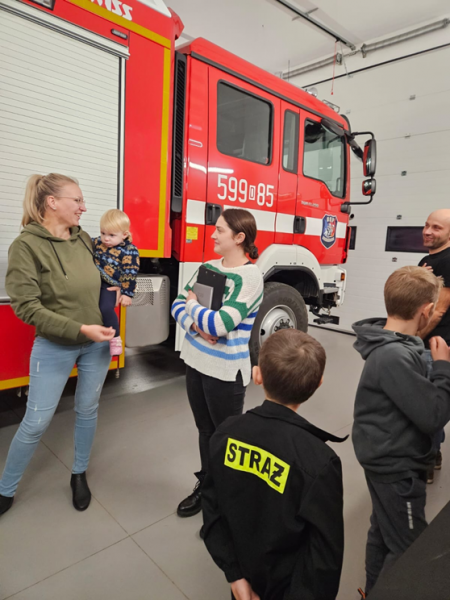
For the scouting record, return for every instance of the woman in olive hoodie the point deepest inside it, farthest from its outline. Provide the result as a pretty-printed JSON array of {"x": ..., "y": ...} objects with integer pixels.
[{"x": 54, "y": 285}]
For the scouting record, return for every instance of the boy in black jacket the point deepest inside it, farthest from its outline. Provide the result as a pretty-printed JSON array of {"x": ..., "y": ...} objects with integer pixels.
[
  {"x": 272, "y": 501},
  {"x": 397, "y": 412}
]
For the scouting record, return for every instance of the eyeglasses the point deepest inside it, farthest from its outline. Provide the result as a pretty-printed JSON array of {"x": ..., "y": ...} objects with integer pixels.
[{"x": 79, "y": 201}]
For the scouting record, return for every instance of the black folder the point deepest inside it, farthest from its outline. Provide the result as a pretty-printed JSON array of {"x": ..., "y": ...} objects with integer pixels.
[{"x": 214, "y": 280}]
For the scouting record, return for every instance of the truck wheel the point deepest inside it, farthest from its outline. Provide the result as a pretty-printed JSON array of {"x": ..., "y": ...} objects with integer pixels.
[{"x": 282, "y": 308}]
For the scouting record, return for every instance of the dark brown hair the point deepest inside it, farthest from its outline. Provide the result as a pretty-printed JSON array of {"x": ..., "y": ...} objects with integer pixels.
[
  {"x": 242, "y": 221},
  {"x": 292, "y": 364},
  {"x": 409, "y": 288}
]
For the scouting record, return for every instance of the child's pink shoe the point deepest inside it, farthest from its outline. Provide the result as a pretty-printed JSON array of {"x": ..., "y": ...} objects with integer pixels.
[{"x": 115, "y": 346}]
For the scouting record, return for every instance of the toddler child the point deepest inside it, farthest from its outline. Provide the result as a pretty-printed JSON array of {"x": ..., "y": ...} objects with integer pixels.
[{"x": 118, "y": 262}]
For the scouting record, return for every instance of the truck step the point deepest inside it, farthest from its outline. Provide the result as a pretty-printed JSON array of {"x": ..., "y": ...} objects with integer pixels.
[{"x": 327, "y": 319}]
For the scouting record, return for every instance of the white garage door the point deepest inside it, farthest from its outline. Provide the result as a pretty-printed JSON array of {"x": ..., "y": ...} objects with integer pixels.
[
  {"x": 406, "y": 104},
  {"x": 59, "y": 111}
]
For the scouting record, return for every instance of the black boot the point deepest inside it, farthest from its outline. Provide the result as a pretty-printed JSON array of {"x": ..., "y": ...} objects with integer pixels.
[
  {"x": 192, "y": 505},
  {"x": 80, "y": 490},
  {"x": 5, "y": 503}
]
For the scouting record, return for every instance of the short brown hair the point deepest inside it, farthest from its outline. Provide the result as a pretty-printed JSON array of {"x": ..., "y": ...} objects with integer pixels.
[
  {"x": 240, "y": 220},
  {"x": 292, "y": 364},
  {"x": 409, "y": 288}
]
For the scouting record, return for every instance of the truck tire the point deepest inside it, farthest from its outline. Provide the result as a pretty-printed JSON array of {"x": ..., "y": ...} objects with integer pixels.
[{"x": 282, "y": 308}]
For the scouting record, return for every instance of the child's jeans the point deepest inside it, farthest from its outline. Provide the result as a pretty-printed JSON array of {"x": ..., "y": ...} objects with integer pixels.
[
  {"x": 438, "y": 437},
  {"x": 50, "y": 368},
  {"x": 397, "y": 520},
  {"x": 107, "y": 307}
]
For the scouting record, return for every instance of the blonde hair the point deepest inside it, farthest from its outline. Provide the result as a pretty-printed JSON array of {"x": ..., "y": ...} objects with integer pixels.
[
  {"x": 409, "y": 288},
  {"x": 39, "y": 187},
  {"x": 116, "y": 221}
]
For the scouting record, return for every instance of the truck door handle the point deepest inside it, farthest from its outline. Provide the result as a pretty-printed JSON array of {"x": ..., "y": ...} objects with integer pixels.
[
  {"x": 299, "y": 224},
  {"x": 213, "y": 212}
]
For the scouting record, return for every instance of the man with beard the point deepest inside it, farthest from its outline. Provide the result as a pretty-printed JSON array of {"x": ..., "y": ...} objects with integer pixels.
[{"x": 436, "y": 237}]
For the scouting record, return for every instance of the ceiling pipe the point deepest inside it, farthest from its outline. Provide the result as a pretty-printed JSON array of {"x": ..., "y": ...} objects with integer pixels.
[
  {"x": 366, "y": 48},
  {"x": 403, "y": 37},
  {"x": 313, "y": 66},
  {"x": 324, "y": 28}
]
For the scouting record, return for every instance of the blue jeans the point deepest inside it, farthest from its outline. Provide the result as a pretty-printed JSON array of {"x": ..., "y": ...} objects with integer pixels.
[
  {"x": 438, "y": 437},
  {"x": 50, "y": 368}
]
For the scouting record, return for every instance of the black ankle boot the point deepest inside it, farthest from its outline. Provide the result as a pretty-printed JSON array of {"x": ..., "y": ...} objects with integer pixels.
[
  {"x": 5, "y": 503},
  {"x": 80, "y": 491},
  {"x": 192, "y": 505}
]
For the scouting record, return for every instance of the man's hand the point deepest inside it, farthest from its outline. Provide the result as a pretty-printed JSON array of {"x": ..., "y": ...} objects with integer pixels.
[
  {"x": 98, "y": 333},
  {"x": 242, "y": 590},
  {"x": 125, "y": 300},
  {"x": 191, "y": 296},
  {"x": 439, "y": 349},
  {"x": 209, "y": 338},
  {"x": 117, "y": 290}
]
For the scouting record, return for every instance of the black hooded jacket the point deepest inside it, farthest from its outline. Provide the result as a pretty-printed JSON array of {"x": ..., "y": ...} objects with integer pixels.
[
  {"x": 397, "y": 408},
  {"x": 272, "y": 505}
]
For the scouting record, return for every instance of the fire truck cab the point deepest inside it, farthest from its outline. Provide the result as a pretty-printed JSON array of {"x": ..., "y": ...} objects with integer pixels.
[
  {"x": 244, "y": 138},
  {"x": 95, "y": 89}
]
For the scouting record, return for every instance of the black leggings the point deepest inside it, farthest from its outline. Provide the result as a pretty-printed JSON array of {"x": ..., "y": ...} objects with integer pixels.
[
  {"x": 212, "y": 401},
  {"x": 107, "y": 306}
]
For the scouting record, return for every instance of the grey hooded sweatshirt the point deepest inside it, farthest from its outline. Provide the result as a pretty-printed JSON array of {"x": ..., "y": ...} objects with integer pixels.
[{"x": 397, "y": 408}]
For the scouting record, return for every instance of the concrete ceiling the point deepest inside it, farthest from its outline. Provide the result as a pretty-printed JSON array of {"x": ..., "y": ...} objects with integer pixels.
[{"x": 272, "y": 37}]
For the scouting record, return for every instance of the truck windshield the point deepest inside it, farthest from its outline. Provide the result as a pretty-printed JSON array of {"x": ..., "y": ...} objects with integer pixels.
[{"x": 324, "y": 157}]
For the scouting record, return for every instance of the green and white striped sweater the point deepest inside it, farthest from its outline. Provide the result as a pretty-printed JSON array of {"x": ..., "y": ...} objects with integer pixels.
[{"x": 232, "y": 324}]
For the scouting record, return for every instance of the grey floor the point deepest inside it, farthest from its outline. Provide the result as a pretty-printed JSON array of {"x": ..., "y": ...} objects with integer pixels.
[{"x": 130, "y": 543}]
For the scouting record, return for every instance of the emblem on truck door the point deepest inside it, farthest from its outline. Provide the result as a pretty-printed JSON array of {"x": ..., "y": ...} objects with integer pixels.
[{"x": 329, "y": 226}]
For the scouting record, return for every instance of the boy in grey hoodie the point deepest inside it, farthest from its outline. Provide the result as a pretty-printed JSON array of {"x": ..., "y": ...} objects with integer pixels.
[{"x": 397, "y": 412}]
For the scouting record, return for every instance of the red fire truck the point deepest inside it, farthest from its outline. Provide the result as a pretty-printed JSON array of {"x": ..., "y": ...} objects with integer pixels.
[{"x": 95, "y": 89}]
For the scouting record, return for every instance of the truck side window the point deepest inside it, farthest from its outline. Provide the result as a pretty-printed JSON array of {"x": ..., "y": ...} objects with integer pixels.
[
  {"x": 244, "y": 125},
  {"x": 324, "y": 157},
  {"x": 290, "y": 141}
]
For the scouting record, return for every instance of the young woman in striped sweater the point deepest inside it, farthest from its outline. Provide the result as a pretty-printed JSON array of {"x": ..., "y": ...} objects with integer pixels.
[{"x": 215, "y": 348}]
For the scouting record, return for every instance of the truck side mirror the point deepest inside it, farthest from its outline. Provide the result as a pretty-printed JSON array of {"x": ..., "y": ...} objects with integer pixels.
[
  {"x": 370, "y": 158},
  {"x": 369, "y": 187}
]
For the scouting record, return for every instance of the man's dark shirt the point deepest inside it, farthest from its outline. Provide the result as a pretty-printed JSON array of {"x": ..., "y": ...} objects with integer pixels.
[{"x": 440, "y": 263}]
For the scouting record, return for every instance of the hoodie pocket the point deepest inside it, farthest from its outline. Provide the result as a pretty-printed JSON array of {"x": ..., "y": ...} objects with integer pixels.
[{"x": 411, "y": 488}]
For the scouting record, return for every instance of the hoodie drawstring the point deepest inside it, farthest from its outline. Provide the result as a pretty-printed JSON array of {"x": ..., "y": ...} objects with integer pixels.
[
  {"x": 59, "y": 260},
  {"x": 87, "y": 247}
]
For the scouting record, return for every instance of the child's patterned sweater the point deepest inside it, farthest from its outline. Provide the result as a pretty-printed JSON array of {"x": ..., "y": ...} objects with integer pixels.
[
  {"x": 118, "y": 266},
  {"x": 232, "y": 324}
]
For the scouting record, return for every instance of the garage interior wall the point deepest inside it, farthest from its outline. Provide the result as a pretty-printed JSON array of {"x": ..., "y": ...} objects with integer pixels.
[
  {"x": 405, "y": 103},
  {"x": 59, "y": 111}
]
